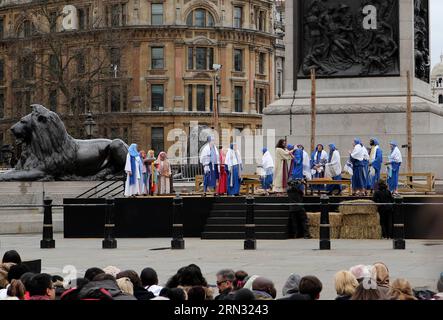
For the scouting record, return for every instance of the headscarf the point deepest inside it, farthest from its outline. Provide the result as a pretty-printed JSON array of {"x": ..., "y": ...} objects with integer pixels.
[
  {"x": 393, "y": 144},
  {"x": 318, "y": 152},
  {"x": 375, "y": 141},
  {"x": 264, "y": 150},
  {"x": 133, "y": 150},
  {"x": 357, "y": 141},
  {"x": 333, "y": 148},
  {"x": 290, "y": 147},
  {"x": 133, "y": 153}
]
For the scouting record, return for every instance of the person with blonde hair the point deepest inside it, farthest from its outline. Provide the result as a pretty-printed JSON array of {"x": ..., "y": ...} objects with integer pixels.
[
  {"x": 126, "y": 285},
  {"x": 382, "y": 277},
  {"x": 345, "y": 285},
  {"x": 401, "y": 289}
]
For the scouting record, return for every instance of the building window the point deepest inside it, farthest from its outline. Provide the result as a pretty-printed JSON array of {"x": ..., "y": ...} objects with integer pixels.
[
  {"x": 440, "y": 99},
  {"x": 81, "y": 66},
  {"x": 2, "y": 70},
  {"x": 83, "y": 18},
  {"x": 22, "y": 102},
  {"x": 157, "y": 60},
  {"x": 27, "y": 29},
  {"x": 115, "y": 133},
  {"x": 238, "y": 98},
  {"x": 125, "y": 136},
  {"x": 27, "y": 68},
  {"x": 157, "y": 14},
  {"x": 53, "y": 64},
  {"x": 261, "y": 63},
  {"x": 2, "y": 27},
  {"x": 116, "y": 15},
  {"x": 53, "y": 22},
  {"x": 238, "y": 60},
  {"x": 201, "y": 97},
  {"x": 261, "y": 99},
  {"x": 203, "y": 59},
  {"x": 115, "y": 57},
  {"x": 53, "y": 100},
  {"x": 211, "y": 98},
  {"x": 190, "y": 98},
  {"x": 238, "y": 16},
  {"x": 261, "y": 21},
  {"x": 157, "y": 139},
  {"x": 157, "y": 97},
  {"x": 200, "y": 18},
  {"x": 2, "y": 105},
  {"x": 116, "y": 98}
]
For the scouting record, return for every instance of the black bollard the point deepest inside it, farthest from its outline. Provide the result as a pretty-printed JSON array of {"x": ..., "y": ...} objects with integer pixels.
[
  {"x": 109, "y": 241},
  {"x": 47, "y": 241},
  {"x": 250, "y": 242},
  {"x": 399, "y": 224},
  {"x": 325, "y": 231},
  {"x": 177, "y": 241}
]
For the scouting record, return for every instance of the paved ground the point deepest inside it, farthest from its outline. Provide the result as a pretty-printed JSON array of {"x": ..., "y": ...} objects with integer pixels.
[{"x": 421, "y": 263}]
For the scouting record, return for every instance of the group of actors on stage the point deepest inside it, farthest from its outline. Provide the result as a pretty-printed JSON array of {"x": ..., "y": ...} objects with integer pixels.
[
  {"x": 364, "y": 165},
  {"x": 222, "y": 170},
  {"x": 146, "y": 175}
]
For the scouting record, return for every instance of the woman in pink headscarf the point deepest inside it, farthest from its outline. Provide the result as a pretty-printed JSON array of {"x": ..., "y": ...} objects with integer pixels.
[{"x": 223, "y": 177}]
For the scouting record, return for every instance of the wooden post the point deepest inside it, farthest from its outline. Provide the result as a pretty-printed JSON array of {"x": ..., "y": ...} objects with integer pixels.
[
  {"x": 409, "y": 126},
  {"x": 313, "y": 109}
]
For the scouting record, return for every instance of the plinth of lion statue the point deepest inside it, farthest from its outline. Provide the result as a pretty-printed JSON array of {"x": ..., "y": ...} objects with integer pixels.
[{"x": 50, "y": 153}]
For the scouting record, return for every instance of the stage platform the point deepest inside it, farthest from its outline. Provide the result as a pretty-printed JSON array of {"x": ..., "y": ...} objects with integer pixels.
[{"x": 223, "y": 217}]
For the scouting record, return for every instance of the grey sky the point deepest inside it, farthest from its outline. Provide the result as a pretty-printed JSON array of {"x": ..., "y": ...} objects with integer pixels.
[{"x": 436, "y": 30}]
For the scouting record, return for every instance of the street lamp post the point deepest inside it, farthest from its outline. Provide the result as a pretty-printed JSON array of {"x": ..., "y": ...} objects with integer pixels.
[
  {"x": 89, "y": 124},
  {"x": 217, "y": 92}
]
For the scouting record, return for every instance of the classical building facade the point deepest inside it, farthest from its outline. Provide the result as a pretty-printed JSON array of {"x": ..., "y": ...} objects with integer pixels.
[{"x": 142, "y": 68}]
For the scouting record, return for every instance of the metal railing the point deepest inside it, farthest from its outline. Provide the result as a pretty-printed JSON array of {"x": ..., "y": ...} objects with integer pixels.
[{"x": 110, "y": 187}]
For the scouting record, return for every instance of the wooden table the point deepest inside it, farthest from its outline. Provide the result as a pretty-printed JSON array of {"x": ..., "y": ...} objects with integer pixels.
[{"x": 322, "y": 182}]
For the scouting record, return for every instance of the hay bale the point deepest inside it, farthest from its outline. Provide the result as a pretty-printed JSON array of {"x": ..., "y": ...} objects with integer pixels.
[
  {"x": 353, "y": 232},
  {"x": 315, "y": 232},
  {"x": 347, "y": 209},
  {"x": 361, "y": 220},
  {"x": 335, "y": 220}
]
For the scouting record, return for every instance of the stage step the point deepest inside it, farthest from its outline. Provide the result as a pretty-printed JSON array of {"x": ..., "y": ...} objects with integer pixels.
[
  {"x": 241, "y": 235},
  {"x": 241, "y": 228},
  {"x": 257, "y": 213},
  {"x": 228, "y": 217},
  {"x": 242, "y": 220}
]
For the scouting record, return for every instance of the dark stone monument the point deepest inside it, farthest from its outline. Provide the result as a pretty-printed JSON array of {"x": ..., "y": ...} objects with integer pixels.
[
  {"x": 50, "y": 153},
  {"x": 349, "y": 38},
  {"x": 421, "y": 31}
]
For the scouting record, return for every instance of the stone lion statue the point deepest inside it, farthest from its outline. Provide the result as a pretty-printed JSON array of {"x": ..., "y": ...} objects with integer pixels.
[{"x": 50, "y": 153}]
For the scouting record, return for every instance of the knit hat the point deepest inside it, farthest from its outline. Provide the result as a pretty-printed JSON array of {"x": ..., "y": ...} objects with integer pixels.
[{"x": 113, "y": 271}]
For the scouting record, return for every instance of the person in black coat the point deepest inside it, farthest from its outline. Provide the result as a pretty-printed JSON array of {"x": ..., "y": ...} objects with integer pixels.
[{"x": 383, "y": 195}]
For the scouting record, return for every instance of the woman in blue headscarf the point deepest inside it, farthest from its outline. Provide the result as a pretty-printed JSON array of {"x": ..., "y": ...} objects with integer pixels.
[
  {"x": 209, "y": 158},
  {"x": 133, "y": 169},
  {"x": 394, "y": 162},
  {"x": 318, "y": 160}
]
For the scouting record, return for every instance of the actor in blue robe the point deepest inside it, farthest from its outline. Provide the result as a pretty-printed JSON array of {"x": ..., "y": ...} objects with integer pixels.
[{"x": 375, "y": 162}]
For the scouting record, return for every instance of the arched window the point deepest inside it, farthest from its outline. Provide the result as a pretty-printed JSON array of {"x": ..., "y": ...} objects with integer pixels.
[
  {"x": 26, "y": 29},
  {"x": 440, "y": 99},
  {"x": 200, "y": 18},
  {"x": 440, "y": 82}
]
